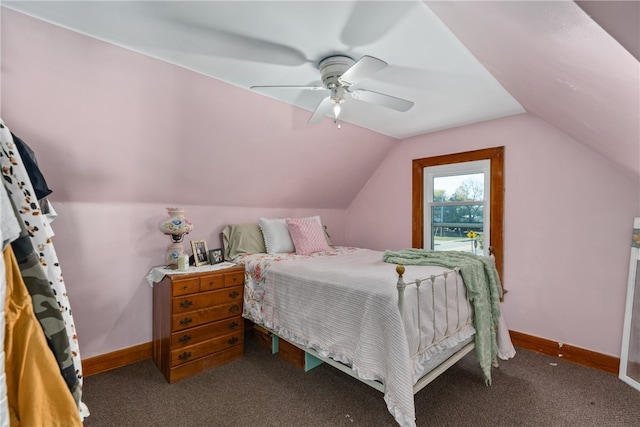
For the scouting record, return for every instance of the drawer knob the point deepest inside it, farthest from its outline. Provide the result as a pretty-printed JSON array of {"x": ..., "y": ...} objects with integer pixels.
[
  {"x": 233, "y": 308},
  {"x": 233, "y": 294},
  {"x": 186, "y": 321},
  {"x": 186, "y": 303},
  {"x": 184, "y": 338},
  {"x": 185, "y": 355},
  {"x": 233, "y": 340},
  {"x": 233, "y": 325}
]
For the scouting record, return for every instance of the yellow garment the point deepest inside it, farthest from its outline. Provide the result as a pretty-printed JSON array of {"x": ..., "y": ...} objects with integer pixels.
[{"x": 36, "y": 391}]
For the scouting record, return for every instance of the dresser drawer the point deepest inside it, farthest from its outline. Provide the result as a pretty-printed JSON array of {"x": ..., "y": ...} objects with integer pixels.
[
  {"x": 206, "y": 315},
  {"x": 185, "y": 286},
  {"x": 234, "y": 279},
  {"x": 205, "y": 348},
  {"x": 206, "y": 332},
  {"x": 209, "y": 283},
  {"x": 206, "y": 299}
]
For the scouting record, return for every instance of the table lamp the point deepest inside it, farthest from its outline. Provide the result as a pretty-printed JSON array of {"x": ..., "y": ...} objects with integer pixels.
[{"x": 176, "y": 226}]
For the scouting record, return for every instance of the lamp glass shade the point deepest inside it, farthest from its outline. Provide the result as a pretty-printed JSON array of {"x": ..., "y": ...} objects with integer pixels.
[{"x": 176, "y": 223}]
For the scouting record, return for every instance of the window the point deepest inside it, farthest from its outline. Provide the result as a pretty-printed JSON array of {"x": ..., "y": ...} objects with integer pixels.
[
  {"x": 456, "y": 211},
  {"x": 478, "y": 207}
]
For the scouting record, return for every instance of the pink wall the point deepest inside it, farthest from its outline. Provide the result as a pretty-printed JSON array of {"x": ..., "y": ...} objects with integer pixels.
[
  {"x": 120, "y": 136},
  {"x": 132, "y": 129},
  {"x": 568, "y": 218},
  {"x": 107, "y": 125}
]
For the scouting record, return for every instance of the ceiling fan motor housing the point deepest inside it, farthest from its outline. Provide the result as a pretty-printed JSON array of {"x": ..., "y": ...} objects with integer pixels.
[{"x": 332, "y": 67}]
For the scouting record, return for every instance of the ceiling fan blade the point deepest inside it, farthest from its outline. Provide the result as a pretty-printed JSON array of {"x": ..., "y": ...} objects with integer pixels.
[
  {"x": 365, "y": 67},
  {"x": 198, "y": 36},
  {"x": 370, "y": 21},
  {"x": 382, "y": 99},
  {"x": 323, "y": 108},
  {"x": 269, "y": 87},
  {"x": 237, "y": 46}
]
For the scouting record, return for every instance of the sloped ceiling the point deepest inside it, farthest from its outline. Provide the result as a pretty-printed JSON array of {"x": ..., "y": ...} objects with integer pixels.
[
  {"x": 562, "y": 66},
  {"x": 460, "y": 62}
]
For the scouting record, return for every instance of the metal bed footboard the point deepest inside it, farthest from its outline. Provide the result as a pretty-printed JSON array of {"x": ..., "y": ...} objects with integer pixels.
[{"x": 462, "y": 321}]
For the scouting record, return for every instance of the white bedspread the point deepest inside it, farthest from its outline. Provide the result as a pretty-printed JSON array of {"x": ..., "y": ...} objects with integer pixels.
[{"x": 345, "y": 307}]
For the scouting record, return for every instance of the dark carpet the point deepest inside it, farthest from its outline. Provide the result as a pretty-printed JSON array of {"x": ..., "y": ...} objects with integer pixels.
[{"x": 262, "y": 389}]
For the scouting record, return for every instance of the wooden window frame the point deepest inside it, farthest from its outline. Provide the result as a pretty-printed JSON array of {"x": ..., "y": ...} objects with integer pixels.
[{"x": 496, "y": 202}]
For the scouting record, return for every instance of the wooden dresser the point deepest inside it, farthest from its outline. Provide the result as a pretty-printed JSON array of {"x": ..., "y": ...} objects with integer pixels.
[{"x": 197, "y": 321}]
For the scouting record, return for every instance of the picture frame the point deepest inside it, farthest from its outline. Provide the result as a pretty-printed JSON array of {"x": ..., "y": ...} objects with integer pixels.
[
  {"x": 200, "y": 252},
  {"x": 216, "y": 256}
]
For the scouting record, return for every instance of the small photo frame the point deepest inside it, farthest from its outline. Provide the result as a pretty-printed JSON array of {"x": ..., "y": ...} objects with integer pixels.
[
  {"x": 200, "y": 252},
  {"x": 215, "y": 256}
]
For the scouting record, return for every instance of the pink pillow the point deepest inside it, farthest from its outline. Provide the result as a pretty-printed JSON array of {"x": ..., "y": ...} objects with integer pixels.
[{"x": 307, "y": 235}]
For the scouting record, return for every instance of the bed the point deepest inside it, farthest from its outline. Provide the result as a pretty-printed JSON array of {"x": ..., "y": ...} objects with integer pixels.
[{"x": 395, "y": 327}]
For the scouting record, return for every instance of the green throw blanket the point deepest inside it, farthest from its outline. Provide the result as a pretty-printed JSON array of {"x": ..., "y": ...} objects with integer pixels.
[{"x": 483, "y": 289}]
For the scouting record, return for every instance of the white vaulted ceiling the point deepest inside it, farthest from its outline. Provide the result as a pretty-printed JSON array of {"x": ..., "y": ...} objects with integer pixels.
[
  {"x": 282, "y": 42},
  {"x": 460, "y": 62}
]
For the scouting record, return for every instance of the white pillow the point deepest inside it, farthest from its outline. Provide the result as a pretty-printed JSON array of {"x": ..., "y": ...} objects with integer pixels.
[{"x": 276, "y": 234}]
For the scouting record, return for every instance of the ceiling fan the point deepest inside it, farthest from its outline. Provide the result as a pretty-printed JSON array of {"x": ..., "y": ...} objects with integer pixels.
[{"x": 338, "y": 73}]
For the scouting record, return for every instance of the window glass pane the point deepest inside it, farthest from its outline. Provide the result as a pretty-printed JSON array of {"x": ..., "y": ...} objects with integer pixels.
[
  {"x": 459, "y": 188},
  {"x": 457, "y": 228},
  {"x": 458, "y": 215}
]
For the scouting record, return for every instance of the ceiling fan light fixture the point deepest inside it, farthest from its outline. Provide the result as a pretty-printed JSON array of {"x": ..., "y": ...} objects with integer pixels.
[
  {"x": 337, "y": 98},
  {"x": 336, "y": 110}
]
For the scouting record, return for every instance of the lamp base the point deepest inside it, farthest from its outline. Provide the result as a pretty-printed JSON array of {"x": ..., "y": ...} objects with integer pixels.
[{"x": 173, "y": 252}]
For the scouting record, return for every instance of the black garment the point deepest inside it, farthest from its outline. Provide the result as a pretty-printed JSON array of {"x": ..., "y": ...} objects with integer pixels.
[{"x": 30, "y": 163}]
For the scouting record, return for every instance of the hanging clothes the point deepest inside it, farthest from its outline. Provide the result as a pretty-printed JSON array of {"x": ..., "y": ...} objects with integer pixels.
[
  {"x": 47, "y": 311},
  {"x": 34, "y": 275},
  {"x": 9, "y": 231},
  {"x": 37, "y": 394},
  {"x": 31, "y": 218}
]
